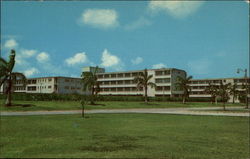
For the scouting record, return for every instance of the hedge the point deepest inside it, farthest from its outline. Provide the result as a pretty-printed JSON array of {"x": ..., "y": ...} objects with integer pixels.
[{"x": 76, "y": 97}]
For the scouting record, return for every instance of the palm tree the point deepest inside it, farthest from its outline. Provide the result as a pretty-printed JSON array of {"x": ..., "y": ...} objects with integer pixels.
[
  {"x": 90, "y": 83},
  {"x": 182, "y": 84},
  {"x": 9, "y": 77},
  {"x": 224, "y": 93},
  {"x": 143, "y": 80},
  {"x": 233, "y": 91},
  {"x": 6, "y": 67},
  {"x": 213, "y": 91},
  {"x": 12, "y": 78}
]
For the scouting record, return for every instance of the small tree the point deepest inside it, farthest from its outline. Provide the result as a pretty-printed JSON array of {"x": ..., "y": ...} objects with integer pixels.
[
  {"x": 143, "y": 80},
  {"x": 224, "y": 93},
  {"x": 182, "y": 84},
  {"x": 213, "y": 90},
  {"x": 90, "y": 83}
]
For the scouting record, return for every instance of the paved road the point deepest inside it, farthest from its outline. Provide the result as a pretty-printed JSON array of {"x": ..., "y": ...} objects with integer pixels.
[{"x": 180, "y": 111}]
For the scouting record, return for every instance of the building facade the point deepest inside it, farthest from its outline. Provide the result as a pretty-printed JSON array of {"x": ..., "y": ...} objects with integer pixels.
[
  {"x": 122, "y": 83},
  {"x": 198, "y": 86},
  {"x": 58, "y": 85}
]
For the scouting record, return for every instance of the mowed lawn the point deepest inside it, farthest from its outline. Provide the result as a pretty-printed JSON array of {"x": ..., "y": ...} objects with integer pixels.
[
  {"x": 73, "y": 105},
  {"x": 125, "y": 136}
]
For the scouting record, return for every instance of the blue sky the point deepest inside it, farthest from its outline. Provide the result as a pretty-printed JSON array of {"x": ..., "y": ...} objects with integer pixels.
[{"x": 205, "y": 38}]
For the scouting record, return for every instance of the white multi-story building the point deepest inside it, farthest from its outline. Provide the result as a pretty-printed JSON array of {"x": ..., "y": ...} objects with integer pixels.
[
  {"x": 198, "y": 86},
  {"x": 122, "y": 83},
  {"x": 58, "y": 85}
]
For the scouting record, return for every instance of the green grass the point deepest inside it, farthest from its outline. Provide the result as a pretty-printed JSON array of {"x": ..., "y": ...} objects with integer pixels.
[
  {"x": 125, "y": 136},
  {"x": 73, "y": 105}
]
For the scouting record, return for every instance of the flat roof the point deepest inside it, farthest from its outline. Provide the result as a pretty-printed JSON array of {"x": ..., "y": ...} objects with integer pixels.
[
  {"x": 55, "y": 77},
  {"x": 159, "y": 69},
  {"x": 218, "y": 78}
]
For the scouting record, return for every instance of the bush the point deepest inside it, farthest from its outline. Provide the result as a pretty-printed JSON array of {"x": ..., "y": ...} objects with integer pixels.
[{"x": 78, "y": 97}]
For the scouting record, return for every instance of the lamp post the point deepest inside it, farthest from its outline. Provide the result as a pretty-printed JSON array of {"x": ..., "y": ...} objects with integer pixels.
[{"x": 246, "y": 83}]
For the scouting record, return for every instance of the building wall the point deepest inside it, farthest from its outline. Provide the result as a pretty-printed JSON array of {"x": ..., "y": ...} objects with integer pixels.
[
  {"x": 121, "y": 83},
  {"x": 198, "y": 86}
]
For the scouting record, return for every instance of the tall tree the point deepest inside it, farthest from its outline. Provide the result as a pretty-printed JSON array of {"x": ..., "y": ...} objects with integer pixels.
[
  {"x": 12, "y": 79},
  {"x": 90, "y": 83},
  {"x": 143, "y": 80},
  {"x": 9, "y": 77},
  {"x": 183, "y": 84},
  {"x": 234, "y": 92},
  {"x": 6, "y": 67},
  {"x": 213, "y": 90},
  {"x": 224, "y": 90}
]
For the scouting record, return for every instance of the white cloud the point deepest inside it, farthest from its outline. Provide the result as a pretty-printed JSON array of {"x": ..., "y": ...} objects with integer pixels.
[
  {"x": 109, "y": 60},
  {"x": 78, "y": 58},
  {"x": 42, "y": 57},
  {"x": 100, "y": 18},
  {"x": 177, "y": 9},
  {"x": 11, "y": 44},
  {"x": 31, "y": 71},
  {"x": 201, "y": 66},
  {"x": 28, "y": 53},
  {"x": 138, "y": 24},
  {"x": 137, "y": 60},
  {"x": 159, "y": 65}
]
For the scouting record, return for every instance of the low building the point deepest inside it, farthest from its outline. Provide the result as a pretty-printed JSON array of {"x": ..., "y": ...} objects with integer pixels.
[
  {"x": 198, "y": 86},
  {"x": 58, "y": 85}
]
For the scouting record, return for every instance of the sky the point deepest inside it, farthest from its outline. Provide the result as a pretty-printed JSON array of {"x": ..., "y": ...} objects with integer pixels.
[{"x": 207, "y": 39}]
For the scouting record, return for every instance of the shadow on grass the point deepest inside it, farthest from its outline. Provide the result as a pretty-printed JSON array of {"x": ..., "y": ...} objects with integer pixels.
[
  {"x": 22, "y": 105},
  {"x": 96, "y": 104},
  {"x": 114, "y": 143}
]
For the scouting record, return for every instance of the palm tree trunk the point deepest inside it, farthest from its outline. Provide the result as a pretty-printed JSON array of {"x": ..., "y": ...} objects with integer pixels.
[
  {"x": 224, "y": 106},
  {"x": 216, "y": 100},
  {"x": 8, "y": 99},
  {"x": 146, "y": 94},
  {"x": 183, "y": 99},
  {"x": 233, "y": 99},
  {"x": 92, "y": 96}
]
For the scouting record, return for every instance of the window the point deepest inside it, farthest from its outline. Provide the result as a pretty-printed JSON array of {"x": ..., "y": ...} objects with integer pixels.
[
  {"x": 120, "y": 75},
  {"x": 127, "y": 74},
  {"x": 113, "y": 75},
  {"x": 49, "y": 87},
  {"x": 106, "y": 76},
  {"x": 66, "y": 87},
  {"x": 32, "y": 88},
  {"x": 119, "y": 82}
]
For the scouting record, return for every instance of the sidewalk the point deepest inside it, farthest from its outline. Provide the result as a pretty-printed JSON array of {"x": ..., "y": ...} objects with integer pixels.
[{"x": 177, "y": 111}]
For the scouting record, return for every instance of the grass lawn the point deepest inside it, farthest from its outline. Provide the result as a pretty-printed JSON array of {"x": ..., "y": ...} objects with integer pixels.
[
  {"x": 72, "y": 105},
  {"x": 125, "y": 136}
]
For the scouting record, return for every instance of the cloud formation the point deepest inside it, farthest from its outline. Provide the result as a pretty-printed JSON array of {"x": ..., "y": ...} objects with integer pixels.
[
  {"x": 177, "y": 9},
  {"x": 78, "y": 58},
  {"x": 42, "y": 57},
  {"x": 11, "y": 44},
  {"x": 27, "y": 53},
  {"x": 138, "y": 24},
  {"x": 112, "y": 61},
  {"x": 100, "y": 18},
  {"x": 137, "y": 60},
  {"x": 31, "y": 72},
  {"x": 159, "y": 65}
]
